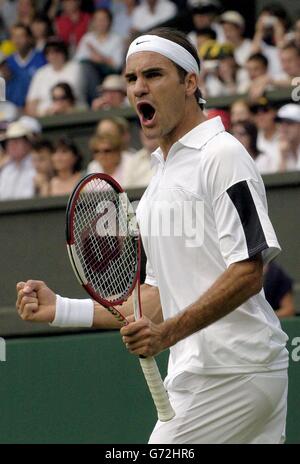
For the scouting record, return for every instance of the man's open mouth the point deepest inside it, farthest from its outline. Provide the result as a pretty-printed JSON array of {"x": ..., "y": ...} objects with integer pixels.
[{"x": 146, "y": 111}]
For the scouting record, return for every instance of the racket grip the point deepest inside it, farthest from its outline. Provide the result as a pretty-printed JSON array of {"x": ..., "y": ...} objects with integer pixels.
[{"x": 160, "y": 397}]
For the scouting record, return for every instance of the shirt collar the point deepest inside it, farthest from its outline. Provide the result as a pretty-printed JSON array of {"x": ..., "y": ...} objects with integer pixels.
[{"x": 195, "y": 138}]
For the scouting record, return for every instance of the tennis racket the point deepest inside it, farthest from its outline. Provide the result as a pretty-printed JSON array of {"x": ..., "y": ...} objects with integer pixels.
[{"x": 104, "y": 248}]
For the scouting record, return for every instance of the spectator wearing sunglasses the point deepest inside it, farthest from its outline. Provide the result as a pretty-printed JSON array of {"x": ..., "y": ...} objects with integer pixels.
[
  {"x": 264, "y": 113},
  {"x": 246, "y": 133},
  {"x": 64, "y": 100},
  {"x": 108, "y": 157}
]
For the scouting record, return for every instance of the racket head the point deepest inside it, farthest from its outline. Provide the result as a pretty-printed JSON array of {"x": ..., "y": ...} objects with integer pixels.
[{"x": 103, "y": 239}]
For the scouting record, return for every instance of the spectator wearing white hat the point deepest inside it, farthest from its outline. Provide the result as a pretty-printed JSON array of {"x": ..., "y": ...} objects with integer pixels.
[
  {"x": 17, "y": 174},
  {"x": 112, "y": 93},
  {"x": 233, "y": 26},
  {"x": 288, "y": 118}
]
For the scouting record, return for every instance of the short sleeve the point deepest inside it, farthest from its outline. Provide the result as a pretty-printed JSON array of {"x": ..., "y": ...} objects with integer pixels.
[
  {"x": 237, "y": 196},
  {"x": 150, "y": 276}
]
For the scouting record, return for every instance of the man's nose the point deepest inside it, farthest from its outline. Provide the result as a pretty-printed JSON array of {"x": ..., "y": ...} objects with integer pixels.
[{"x": 140, "y": 87}]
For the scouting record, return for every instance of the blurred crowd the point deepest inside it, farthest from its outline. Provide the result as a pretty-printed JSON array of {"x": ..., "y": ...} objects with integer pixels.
[{"x": 59, "y": 57}]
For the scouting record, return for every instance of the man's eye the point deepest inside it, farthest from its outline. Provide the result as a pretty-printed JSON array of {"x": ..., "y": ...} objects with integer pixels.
[
  {"x": 153, "y": 74},
  {"x": 131, "y": 79}
]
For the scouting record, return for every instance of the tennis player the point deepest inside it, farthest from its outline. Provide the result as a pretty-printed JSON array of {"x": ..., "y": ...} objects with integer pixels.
[{"x": 203, "y": 297}]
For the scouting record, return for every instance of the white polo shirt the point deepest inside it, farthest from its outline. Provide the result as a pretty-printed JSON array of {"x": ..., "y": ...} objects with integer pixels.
[{"x": 205, "y": 209}]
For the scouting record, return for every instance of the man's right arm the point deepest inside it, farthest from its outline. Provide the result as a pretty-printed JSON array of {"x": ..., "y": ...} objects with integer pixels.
[{"x": 37, "y": 303}]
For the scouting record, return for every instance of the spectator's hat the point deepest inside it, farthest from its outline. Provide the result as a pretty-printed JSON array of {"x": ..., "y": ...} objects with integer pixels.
[
  {"x": 233, "y": 17},
  {"x": 261, "y": 104},
  {"x": 289, "y": 113},
  {"x": 16, "y": 130},
  {"x": 113, "y": 82},
  {"x": 32, "y": 124}
]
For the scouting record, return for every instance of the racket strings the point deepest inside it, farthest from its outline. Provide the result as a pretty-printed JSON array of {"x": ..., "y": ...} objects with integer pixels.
[{"x": 105, "y": 248}]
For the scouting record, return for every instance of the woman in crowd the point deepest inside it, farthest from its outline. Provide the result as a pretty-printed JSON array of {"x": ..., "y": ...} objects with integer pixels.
[
  {"x": 100, "y": 51},
  {"x": 246, "y": 133},
  {"x": 67, "y": 163}
]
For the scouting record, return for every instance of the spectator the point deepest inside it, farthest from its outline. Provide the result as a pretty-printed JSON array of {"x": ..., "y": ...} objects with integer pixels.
[
  {"x": 122, "y": 18},
  {"x": 288, "y": 117},
  {"x": 257, "y": 72},
  {"x": 290, "y": 61},
  {"x": 150, "y": 13},
  {"x": 108, "y": 157},
  {"x": 296, "y": 37},
  {"x": 269, "y": 35},
  {"x": 72, "y": 24},
  {"x": 204, "y": 15},
  {"x": 204, "y": 37},
  {"x": 240, "y": 111},
  {"x": 42, "y": 151},
  {"x": 112, "y": 93},
  {"x": 278, "y": 287},
  {"x": 138, "y": 170},
  {"x": 233, "y": 26},
  {"x": 63, "y": 100},
  {"x": 26, "y": 10},
  {"x": 22, "y": 64},
  {"x": 117, "y": 127},
  {"x": 246, "y": 133},
  {"x": 58, "y": 69},
  {"x": 264, "y": 114},
  {"x": 17, "y": 174},
  {"x": 41, "y": 29},
  {"x": 100, "y": 51},
  {"x": 221, "y": 74},
  {"x": 67, "y": 162}
]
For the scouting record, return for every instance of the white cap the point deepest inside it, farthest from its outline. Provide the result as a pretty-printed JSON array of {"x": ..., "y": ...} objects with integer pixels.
[
  {"x": 16, "y": 130},
  {"x": 233, "y": 17},
  {"x": 113, "y": 82},
  {"x": 8, "y": 111},
  {"x": 289, "y": 112},
  {"x": 31, "y": 124}
]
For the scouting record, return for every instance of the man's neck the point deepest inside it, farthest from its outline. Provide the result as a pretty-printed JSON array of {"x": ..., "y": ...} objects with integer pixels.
[{"x": 187, "y": 124}]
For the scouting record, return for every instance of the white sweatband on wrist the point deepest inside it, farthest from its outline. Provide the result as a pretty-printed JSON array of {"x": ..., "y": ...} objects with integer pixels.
[
  {"x": 167, "y": 48},
  {"x": 73, "y": 313}
]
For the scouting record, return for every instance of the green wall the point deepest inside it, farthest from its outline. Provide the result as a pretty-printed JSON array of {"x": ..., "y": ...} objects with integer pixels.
[{"x": 87, "y": 389}]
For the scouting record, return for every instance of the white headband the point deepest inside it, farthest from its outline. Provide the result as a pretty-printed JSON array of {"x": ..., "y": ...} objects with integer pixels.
[{"x": 167, "y": 48}]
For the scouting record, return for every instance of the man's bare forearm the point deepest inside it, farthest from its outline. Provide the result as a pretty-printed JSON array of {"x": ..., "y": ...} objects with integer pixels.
[
  {"x": 235, "y": 286},
  {"x": 151, "y": 307}
]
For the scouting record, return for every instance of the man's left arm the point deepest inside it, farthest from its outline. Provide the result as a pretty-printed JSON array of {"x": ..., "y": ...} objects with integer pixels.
[{"x": 236, "y": 285}]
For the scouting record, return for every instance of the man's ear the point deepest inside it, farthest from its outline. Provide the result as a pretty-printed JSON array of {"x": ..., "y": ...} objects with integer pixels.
[{"x": 191, "y": 84}]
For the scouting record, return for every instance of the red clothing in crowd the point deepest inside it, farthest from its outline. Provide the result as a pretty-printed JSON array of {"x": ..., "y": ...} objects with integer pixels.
[{"x": 69, "y": 31}]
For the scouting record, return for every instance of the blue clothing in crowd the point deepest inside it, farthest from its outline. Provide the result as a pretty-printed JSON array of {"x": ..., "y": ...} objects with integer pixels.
[{"x": 22, "y": 72}]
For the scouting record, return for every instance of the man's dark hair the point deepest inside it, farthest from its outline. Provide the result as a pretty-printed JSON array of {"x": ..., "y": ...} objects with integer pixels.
[
  {"x": 259, "y": 57},
  {"x": 179, "y": 38}
]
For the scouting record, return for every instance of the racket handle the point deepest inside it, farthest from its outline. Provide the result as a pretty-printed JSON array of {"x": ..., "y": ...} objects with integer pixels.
[{"x": 160, "y": 397}]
